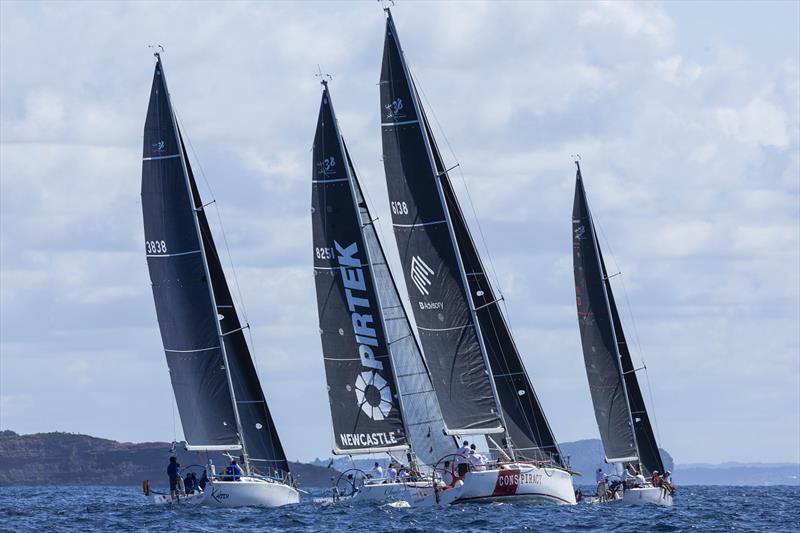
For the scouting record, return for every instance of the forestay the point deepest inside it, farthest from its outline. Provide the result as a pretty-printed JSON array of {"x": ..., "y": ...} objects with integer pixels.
[
  {"x": 361, "y": 385},
  {"x": 436, "y": 286},
  {"x": 525, "y": 422},
  {"x": 263, "y": 446}
]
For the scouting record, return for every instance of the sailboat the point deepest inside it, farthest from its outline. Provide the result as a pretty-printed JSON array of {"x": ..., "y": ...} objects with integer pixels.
[
  {"x": 380, "y": 393},
  {"x": 622, "y": 419},
  {"x": 219, "y": 398},
  {"x": 477, "y": 372}
]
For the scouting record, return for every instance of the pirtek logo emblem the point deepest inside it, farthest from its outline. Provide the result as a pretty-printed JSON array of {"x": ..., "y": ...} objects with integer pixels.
[{"x": 420, "y": 272}]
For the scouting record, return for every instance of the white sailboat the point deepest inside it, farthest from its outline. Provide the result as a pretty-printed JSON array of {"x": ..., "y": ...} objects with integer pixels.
[
  {"x": 477, "y": 371},
  {"x": 380, "y": 393},
  {"x": 217, "y": 390},
  {"x": 622, "y": 418}
]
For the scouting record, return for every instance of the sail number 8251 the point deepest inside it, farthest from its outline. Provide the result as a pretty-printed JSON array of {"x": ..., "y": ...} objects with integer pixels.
[
  {"x": 323, "y": 253},
  {"x": 399, "y": 208},
  {"x": 156, "y": 247}
]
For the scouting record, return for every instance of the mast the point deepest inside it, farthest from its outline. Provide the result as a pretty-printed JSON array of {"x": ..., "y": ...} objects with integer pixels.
[{"x": 239, "y": 429}]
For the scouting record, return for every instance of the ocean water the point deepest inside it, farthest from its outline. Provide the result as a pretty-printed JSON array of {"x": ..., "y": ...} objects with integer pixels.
[{"x": 45, "y": 509}]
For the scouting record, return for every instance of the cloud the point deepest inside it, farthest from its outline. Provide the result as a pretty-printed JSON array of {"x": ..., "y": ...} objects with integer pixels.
[{"x": 690, "y": 155}]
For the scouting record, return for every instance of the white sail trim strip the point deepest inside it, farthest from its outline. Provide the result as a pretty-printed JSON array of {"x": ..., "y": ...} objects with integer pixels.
[
  {"x": 213, "y": 447},
  {"x": 337, "y": 180},
  {"x": 419, "y": 224},
  {"x": 472, "y": 431},
  {"x": 445, "y": 329},
  {"x": 400, "y": 123},
  {"x": 175, "y": 255},
  {"x": 338, "y": 451},
  {"x": 622, "y": 459},
  {"x": 362, "y": 265},
  {"x": 193, "y": 351},
  {"x": 157, "y": 157}
]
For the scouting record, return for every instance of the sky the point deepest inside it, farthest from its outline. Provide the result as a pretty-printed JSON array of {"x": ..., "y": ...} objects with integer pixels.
[{"x": 686, "y": 117}]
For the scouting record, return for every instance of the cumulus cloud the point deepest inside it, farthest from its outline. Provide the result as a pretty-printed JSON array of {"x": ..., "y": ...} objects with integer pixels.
[{"x": 690, "y": 154}]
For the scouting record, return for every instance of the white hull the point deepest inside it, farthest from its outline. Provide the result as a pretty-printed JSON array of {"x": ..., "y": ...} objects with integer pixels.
[
  {"x": 384, "y": 492},
  {"x": 647, "y": 495},
  {"x": 247, "y": 492},
  {"x": 517, "y": 482}
]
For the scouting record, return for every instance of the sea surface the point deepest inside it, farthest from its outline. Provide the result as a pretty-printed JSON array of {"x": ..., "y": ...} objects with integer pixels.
[{"x": 45, "y": 509}]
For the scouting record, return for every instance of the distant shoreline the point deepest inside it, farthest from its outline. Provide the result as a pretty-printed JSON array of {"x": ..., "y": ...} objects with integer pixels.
[{"x": 60, "y": 459}]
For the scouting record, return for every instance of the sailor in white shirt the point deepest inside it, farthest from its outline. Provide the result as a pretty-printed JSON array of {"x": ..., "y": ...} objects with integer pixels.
[
  {"x": 391, "y": 473},
  {"x": 377, "y": 472},
  {"x": 476, "y": 460}
]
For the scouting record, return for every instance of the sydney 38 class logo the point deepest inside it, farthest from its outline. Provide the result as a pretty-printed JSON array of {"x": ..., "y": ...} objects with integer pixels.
[
  {"x": 420, "y": 274},
  {"x": 393, "y": 109},
  {"x": 372, "y": 391},
  {"x": 159, "y": 146},
  {"x": 580, "y": 233},
  {"x": 326, "y": 167}
]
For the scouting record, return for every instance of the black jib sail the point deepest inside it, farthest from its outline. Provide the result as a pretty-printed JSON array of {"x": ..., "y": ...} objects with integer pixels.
[
  {"x": 528, "y": 434},
  {"x": 600, "y": 337},
  {"x": 188, "y": 282},
  {"x": 421, "y": 412},
  {"x": 434, "y": 279},
  {"x": 649, "y": 455},
  {"x": 365, "y": 407}
]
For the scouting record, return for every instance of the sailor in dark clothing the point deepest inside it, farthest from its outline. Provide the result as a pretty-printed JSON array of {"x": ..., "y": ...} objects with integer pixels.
[
  {"x": 173, "y": 471},
  {"x": 203, "y": 481},
  {"x": 190, "y": 483}
]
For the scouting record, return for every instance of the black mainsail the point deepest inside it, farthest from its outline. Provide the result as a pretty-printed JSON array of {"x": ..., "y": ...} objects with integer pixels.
[
  {"x": 219, "y": 397},
  {"x": 619, "y": 406},
  {"x": 473, "y": 359}
]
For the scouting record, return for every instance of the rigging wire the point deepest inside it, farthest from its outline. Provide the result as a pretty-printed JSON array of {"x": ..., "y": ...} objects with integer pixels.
[
  {"x": 533, "y": 427},
  {"x": 632, "y": 320},
  {"x": 429, "y": 106},
  {"x": 238, "y": 296}
]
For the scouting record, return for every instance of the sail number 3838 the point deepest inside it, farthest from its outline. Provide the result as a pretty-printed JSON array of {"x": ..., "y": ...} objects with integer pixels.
[
  {"x": 399, "y": 208},
  {"x": 156, "y": 247}
]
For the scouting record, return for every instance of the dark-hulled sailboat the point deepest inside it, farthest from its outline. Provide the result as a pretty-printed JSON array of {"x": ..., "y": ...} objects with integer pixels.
[
  {"x": 476, "y": 368},
  {"x": 622, "y": 419},
  {"x": 218, "y": 394},
  {"x": 379, "y": 389}
]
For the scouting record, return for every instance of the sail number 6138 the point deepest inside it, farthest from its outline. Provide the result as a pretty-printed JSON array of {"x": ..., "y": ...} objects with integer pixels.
[{"x": 399, "y": 208}]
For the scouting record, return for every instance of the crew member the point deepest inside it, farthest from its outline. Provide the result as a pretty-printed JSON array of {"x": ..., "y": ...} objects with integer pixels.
[
  {"x": 391, "y": 473},
  {"x": 376, "y": 472},
  {"x": 462, "y": 459},
  {"x": 602, "y": 485},
  {"x": 173, "y": 472},
  {"x": 234, "y": 471},
  {"x": 190, "y": 483},
  {"x": 655, "y": 479}
]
